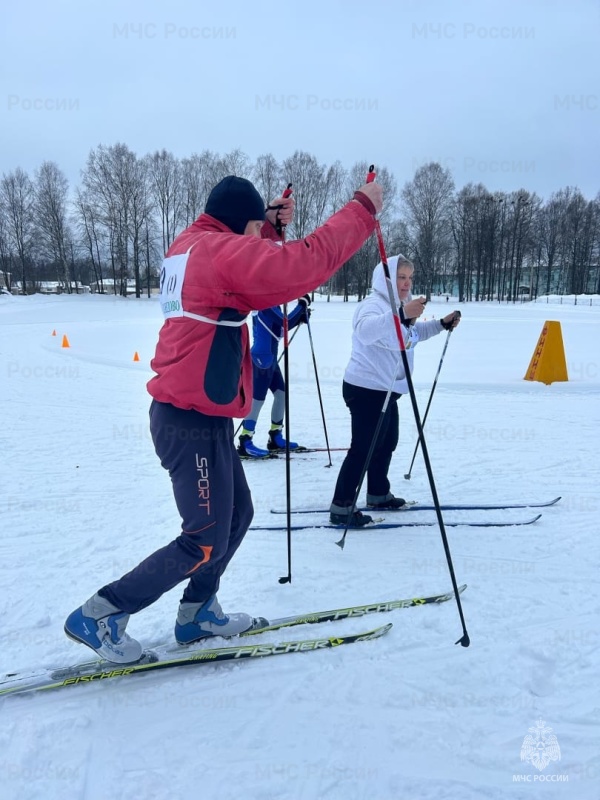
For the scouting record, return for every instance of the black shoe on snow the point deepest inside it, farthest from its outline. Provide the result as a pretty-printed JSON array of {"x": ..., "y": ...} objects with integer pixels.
[
  {"x": 354, "y": 520},
  {"x": 389, "y": 502}
]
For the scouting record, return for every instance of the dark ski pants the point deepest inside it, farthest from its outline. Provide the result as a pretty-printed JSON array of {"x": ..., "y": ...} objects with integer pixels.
[
  {"x": 265, "y": 380},
  {"x": 365, "y": 407},
  {"x": 214, "y": 502}
]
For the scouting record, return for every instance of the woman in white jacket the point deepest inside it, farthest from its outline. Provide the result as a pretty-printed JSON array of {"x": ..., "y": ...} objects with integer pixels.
[{"x": 376, "y": 363}]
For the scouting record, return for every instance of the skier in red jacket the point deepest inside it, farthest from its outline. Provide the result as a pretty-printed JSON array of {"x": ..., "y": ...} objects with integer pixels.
[{"x": 229, "y": 262}]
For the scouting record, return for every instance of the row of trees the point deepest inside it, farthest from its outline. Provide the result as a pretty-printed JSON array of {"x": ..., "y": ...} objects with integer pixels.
[
  {"x": 128, "y": 209},
  {"x": 501, "y": 245}
]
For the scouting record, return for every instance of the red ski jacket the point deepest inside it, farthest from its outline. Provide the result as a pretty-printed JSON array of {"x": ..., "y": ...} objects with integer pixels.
[{"x": 211, "y": 279}]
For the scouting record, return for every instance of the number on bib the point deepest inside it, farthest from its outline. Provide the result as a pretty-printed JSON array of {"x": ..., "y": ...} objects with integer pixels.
[{"x": 172, "y": 275}]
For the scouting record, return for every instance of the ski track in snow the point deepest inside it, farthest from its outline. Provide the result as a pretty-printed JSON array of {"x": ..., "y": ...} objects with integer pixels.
[{"x": 410, "y": 715}]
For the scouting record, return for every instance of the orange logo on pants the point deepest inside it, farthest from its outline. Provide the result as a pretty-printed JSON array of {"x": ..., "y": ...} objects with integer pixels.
[{"x": 206, "y": 551}]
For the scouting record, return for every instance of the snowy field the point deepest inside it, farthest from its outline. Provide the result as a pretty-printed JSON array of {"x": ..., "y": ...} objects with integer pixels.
[{"x": 409, "y": 716}]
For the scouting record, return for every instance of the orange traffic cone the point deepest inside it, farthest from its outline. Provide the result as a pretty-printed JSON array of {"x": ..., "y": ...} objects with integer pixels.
[
  {"x": 136, "y": 356},
  {"x": 65, "y": 341}
]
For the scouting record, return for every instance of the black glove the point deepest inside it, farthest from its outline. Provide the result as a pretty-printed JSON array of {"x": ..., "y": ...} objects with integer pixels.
[
  {"x": 305, "y": 300},
  {"x": 447, "y": 326}
]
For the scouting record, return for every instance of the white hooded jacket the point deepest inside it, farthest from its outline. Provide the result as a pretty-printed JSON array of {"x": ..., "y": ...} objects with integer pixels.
[{"x": 376, "y": 356}]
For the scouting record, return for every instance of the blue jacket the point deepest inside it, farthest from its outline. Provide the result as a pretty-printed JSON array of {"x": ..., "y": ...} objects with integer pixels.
[{"x": 267, "y": 329}]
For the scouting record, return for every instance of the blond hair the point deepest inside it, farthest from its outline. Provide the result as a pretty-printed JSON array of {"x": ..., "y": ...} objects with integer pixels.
[{"x": 404, "y": 262}]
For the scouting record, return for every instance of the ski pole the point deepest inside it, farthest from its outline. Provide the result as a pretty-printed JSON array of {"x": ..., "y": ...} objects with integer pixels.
[
  {"x": 437, "y": 374},
  {"x": 286, "y": 378},
  {"x": 312, "y": 348},
  {"x": 291, "y": 340},
  {"x": 464, "y": 640}
]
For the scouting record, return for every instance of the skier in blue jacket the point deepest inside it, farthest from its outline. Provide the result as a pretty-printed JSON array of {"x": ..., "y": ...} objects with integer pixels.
[{"x": 267, "y": 329}]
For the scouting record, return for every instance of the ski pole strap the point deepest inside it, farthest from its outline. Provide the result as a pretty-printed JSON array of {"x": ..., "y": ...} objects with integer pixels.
[
  {"x": 403, "y": 318},
  {"x": 365, "y": 202}
]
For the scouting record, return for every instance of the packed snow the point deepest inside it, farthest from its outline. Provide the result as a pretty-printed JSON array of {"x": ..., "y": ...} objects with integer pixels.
[{"x": 410, "y": 715}]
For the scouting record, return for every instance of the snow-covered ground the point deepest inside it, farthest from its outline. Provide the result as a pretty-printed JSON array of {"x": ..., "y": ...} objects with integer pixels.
[{"x": 410, "y": 715}]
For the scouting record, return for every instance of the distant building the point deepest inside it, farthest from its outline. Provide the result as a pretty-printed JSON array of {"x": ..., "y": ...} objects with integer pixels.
[
  {"x": 49, "y": 287},
  {"x": 107, "y": 286}
]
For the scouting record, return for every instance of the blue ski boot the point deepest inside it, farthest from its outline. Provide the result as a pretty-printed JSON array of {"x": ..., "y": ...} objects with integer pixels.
[
  {"x": 201, "y": 620},
  {"x": 247, "y": 449},
  {"x": 101, "y": 626},
  {"x": 277, "y": 443}
]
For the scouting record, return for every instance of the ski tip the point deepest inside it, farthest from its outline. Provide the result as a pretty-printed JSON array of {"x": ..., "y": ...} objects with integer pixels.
[{"x": 377, "y": 632}]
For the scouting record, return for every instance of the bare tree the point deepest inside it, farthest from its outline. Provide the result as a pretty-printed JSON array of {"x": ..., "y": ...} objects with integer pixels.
[
  {"x": 164, "y": 173},
  {"x": 596, "y": 265},
  {"x": 355, "y": 277},
  {"x": 234, "y": 163},
  {"x": 428, "y": 205},
  {"x": 551, "y": 226},
  {"x": 581, "y": 225},
  {"x": 338, "y": 194},
  {"x": 310, "y": 192},
  {"x": 462, "y": 232},
  {"x": 519, "y": 218},
  {"x": 89, "y": 226},
  {"x": 140, "y": 214},
  {"x": 5, "y": 252},
  {"x": 51, "y": 190},
  {"x": 475, "y": 225},
  {"x": 338, "y": 190},
  {"x": 112, "y": 177},
  {"x": 267, "y": 177},
  {"x": 17, "y": 200},
  {"x": 152, "y": 252},
  {"x": 199, "y": 175},
  {"x": 103, "y": 202}
]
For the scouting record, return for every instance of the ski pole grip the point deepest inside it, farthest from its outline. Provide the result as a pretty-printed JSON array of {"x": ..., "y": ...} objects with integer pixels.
[
  {"x": 278, "y": 225},
  {"x": 371, "y": 174}
]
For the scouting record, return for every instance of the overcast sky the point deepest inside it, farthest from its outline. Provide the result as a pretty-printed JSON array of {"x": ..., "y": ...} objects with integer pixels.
[{"x": 506, "y": 93}]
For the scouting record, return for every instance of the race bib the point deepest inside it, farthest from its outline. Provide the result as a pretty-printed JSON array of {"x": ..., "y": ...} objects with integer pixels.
[
  {"x": 172, "y": 275},
  {"x": 411, "y": 337}
]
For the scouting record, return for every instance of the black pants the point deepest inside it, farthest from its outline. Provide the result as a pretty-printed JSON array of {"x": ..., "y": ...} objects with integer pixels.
[
  {"x": 365, "y": 411},
  {"x": 213, "y": 500}
]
